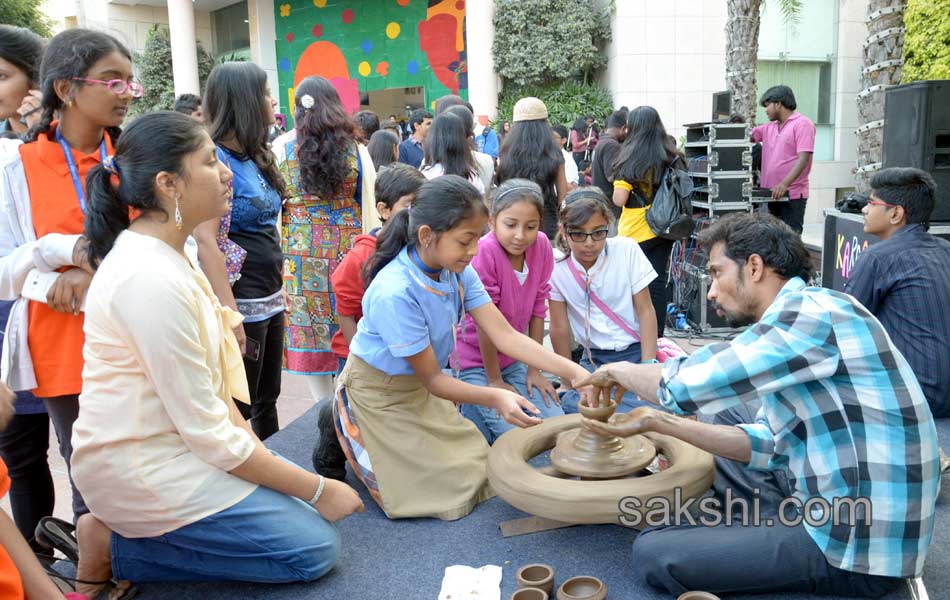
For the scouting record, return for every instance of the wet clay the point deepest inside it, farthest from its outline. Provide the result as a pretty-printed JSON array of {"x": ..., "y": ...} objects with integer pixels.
[
  {"x": 583, "y": 453},
  {"x": 546, "y": 493}
]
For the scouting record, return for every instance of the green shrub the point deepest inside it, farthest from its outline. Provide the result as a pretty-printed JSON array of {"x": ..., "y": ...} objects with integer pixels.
[
  {"x": 26, "y": 13},
  {"x": 927, "y": 41},
  {"x": 540, "y": 42},
  {"x": 565, "y": 101},
  {"x": 154, "y": 66}
]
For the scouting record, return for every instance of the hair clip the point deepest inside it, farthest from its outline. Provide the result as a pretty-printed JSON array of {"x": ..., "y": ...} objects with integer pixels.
[
  {"x": 307, "y": 101},
  {"x": 109, "y": 165}
]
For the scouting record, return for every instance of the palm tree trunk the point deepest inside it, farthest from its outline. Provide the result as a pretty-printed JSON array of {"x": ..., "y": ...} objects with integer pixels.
[
  {"x": 883, "y": 60},
  {"x": 742, "y": 50}
]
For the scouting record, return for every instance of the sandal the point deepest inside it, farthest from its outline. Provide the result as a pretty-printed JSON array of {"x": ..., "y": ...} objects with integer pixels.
[
  {"x": 65, "y": 585},
  {"x": 59, "y": 535},
  {"x": 105, "y": 593}
]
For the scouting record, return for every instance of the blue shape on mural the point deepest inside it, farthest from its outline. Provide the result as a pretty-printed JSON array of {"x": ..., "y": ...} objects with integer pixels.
[
  {"x": 366, "y": 46},
  {"x": 412, "y": 67},
  {"x": 285, "y": 64}
]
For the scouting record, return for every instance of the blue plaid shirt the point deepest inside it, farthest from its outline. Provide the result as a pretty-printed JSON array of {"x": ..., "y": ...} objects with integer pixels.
[{"x": 841, "y": 413}]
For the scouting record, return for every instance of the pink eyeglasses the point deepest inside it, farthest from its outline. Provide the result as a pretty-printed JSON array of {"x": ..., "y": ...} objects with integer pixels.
[{"x": 117, "y": 86}]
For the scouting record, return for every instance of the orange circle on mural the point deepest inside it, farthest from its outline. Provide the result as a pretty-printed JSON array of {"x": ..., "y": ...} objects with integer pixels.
[
  {"x": 392, "y": 30},
  {"x": 402, "y": 2}
]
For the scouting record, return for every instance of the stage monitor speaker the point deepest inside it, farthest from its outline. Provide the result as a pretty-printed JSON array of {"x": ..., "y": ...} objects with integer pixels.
[{"x": 917, "y": 134}]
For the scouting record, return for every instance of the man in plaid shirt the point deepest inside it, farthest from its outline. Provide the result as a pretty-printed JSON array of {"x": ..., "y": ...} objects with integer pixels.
[{"x": 841, "y": 418}]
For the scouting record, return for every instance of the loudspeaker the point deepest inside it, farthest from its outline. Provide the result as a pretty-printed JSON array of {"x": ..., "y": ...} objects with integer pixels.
[{"x": 917, "y": 134}]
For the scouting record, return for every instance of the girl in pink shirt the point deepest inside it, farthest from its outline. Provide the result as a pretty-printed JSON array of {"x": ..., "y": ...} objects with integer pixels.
[{"x": 514, "y": 263}]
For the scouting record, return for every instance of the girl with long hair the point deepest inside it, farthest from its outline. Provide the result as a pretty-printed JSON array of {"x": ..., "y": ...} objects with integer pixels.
[
  {"x": 240, "y": 253},
  {"x": 529, "y": 152},
  {"x": 170, "y": 468},
  {"x": 599, "y": 292},
  {"x": 86, "y": 79},
  {"x": 383, "y": 148},
  {"x": 448, "y": 150},
  {"x": 646, "y": 153},
  {"x": 330, "y": 181},
  {"x": 395, "y": 410},
  {"x": 486, "y": 164}
]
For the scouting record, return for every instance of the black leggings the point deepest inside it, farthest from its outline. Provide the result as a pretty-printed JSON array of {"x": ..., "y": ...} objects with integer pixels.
[
  {"x": 24, "y": 445},
  {"x": 263, "y": 375},
  {"x": 658, "y": 252}
]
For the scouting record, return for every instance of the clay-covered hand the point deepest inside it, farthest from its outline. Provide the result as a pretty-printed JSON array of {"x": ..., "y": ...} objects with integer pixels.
[
  {"x": 7, "y": 405},
  {"x": 68, "y": 291},
  {"x": 338, "y": 501},
  {"x": 511, "y": 407},
  {"x": 636, "y": 421},
  {"x": 536, "y": 381},
  {"x": 603, "y": 386}
]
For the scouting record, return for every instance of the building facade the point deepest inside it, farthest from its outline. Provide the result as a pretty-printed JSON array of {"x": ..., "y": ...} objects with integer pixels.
[{"x": 395, "y": 55}]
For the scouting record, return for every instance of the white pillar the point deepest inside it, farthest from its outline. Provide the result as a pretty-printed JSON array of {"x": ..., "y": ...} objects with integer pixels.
[
  {"x": 260, "y": 17},
  {"x": 181, "y": 26},
  {"x": 482, "y": 80}
]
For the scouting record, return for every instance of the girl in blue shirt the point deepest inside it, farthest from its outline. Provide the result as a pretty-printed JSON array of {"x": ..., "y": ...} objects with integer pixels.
[{"x": 395, "y": 409}]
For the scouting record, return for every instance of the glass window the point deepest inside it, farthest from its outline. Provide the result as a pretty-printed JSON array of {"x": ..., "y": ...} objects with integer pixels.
[{"x": 231, "y": 32}]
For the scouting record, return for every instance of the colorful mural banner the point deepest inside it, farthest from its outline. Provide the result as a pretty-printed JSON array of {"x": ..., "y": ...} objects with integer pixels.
[{"x": 369, "y": 45}]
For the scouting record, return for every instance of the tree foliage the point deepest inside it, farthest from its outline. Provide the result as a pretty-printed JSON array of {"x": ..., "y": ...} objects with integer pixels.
[
  {"x": 565, "y": 101},
  {"x": 927, "y": 40},
  {"x": 26, "y": 13},
  {"x": 540, "y": 42},
  {"x": 155, "y": 71}
]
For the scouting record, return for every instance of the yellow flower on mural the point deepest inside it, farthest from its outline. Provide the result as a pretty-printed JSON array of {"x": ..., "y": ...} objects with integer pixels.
[
  {"x": 365, "y": 68},
  {"x": 285, "y": 10},
  {"x": 392, "y": 30},
  {"x": 320, "y": 3}
]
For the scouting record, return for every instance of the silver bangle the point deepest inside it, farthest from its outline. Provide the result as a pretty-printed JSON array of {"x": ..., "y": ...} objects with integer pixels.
[{"x": 316, "y": 497}]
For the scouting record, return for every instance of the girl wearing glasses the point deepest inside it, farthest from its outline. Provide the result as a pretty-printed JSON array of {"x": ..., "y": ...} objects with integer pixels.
[
  {"x": 395, "y": 409},
  {"x": 599, "y": 291},
  {"x": 86, "y": 79},
  {"x": 514, "y": 263}
]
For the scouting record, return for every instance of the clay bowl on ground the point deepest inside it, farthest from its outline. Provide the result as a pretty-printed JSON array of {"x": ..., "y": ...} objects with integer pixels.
[
  {"x": 582, "y": 588},
  {"x": 698, "y": 596},
  {"x": 536, "y": 576},
  {"x": 529, "y": 593}
]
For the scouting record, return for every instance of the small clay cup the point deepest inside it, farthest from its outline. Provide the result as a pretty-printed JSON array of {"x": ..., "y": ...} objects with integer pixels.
[
  {"x": 582, "y": 588},
  {"x": 698, "y": 596},
  {"x": 537, "y": 576},
  {"x": 529, "y": 593}
]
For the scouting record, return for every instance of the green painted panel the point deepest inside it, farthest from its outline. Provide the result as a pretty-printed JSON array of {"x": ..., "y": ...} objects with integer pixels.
[{"x": 370, "y": 45}]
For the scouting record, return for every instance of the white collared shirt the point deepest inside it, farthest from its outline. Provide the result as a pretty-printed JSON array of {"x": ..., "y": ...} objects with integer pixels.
[{"x": 620, "y": 271}]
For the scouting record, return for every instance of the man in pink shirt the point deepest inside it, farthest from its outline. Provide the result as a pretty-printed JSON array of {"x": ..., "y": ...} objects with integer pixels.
[{"x": 788, "y": 142}]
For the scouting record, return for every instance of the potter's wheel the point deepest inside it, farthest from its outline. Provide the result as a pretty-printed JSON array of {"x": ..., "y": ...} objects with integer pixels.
[
  {"x": 583, "y": 453},
  {"x": 593, "y": 478}
]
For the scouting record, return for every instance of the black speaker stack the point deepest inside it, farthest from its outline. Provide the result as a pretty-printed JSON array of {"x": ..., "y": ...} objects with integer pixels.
[{"x": 917, "y": 134}]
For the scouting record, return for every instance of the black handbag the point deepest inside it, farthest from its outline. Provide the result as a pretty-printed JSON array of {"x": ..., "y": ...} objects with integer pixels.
[{"x": 670, "y": 216}]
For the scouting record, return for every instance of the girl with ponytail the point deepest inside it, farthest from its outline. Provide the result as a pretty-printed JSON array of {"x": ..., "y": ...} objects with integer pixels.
[
  {"x": 85, "y": 78},
  {"x": 395, "y": 410},
  {"x": 166, "y": 462}
]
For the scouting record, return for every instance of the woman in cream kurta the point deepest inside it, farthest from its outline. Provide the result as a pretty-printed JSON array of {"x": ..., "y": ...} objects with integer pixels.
[{"x": 181, "y": 488}]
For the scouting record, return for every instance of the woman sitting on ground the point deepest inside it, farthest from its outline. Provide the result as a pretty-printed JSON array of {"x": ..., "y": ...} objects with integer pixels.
[{"x": 168, "y": 466}]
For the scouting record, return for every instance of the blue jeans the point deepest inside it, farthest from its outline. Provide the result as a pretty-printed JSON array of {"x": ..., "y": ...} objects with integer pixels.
[
  {"x": 486, "y": 419},
  {"x": 602, "y": 357},
  {"x": 267, "y": 537}
]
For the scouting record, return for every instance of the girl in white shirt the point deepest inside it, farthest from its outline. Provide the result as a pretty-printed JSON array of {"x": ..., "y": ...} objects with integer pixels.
[
  {"x": 169, "y": 468},
  {"x": 599, "y": 291}
]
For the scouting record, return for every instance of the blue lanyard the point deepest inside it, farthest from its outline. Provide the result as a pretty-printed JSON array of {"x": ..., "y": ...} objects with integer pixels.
[
  {"x": 415, "y": 258},
  {"x": 73, "y": 170}
]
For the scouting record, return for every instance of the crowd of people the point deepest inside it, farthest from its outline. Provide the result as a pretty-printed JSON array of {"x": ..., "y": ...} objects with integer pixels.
[{"x": 187, "y": 258}]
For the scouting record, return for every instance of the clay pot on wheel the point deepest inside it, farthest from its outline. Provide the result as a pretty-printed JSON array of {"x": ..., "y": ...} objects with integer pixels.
[
  {"x": 529, "y": 593},
  {"x": 698, "y": 596},
  {"x": 582, "y": 588},
  {"x": 536, "y": 576}
]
